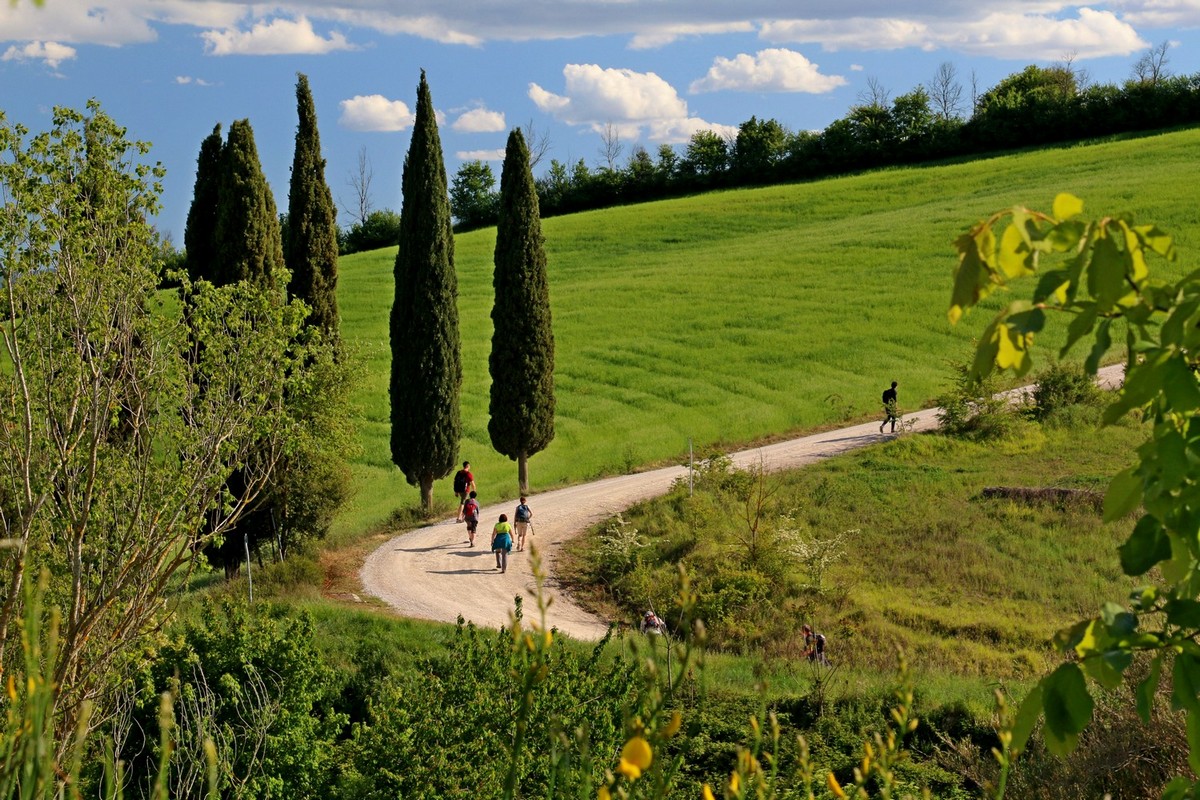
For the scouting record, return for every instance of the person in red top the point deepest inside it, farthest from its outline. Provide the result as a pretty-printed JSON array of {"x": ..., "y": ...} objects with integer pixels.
[
  {"x": 471, "y": 514},
  {"x": 464, "y": 484}
]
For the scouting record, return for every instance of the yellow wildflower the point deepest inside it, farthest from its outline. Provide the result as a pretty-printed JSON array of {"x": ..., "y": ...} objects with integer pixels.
[
  {"x": 835, "y": 787},
  {"x": 735, "y": 783},
  {"x": 603, "y": 794},
  {"x": 635, "y": 758},
  {"x": 673, "y": 726},
  {"x": 707, "y": 793}
]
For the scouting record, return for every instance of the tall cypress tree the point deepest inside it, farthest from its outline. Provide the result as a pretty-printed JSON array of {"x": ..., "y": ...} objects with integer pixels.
[
  {"x": 200, "y": 234},
  {"x": 522, "y": 358},
  {"x": 311, "y": 249},
  {"x": 248, "y": 241},
  {"x": 248, "y": 248},
  {"x": 426, "y": 363}
]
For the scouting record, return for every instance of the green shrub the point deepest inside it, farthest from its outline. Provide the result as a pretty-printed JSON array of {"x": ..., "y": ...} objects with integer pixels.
[
  {"x": 972, "y": 409},
  {"x": 1060, "y": 387}
]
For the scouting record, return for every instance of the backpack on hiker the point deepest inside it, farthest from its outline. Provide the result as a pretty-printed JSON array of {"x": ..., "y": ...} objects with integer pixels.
[
  {"x": 471, "y": 510},
  {"x": 460, "y": 481}
]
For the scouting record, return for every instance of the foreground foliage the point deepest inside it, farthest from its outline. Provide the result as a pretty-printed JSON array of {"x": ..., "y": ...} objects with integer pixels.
[
  {"x": 1099, "y": 274},
  {"x": 110, "y": 457}
]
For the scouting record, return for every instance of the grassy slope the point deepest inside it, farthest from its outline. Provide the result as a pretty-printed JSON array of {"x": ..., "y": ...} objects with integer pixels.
[{"x": 732, "y": 316}]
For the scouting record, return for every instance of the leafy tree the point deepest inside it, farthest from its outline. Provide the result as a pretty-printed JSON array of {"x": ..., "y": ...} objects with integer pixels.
[
  {"x": 707, "y": 154},
  {"x": 111, "y": 460},
  {"x": 472, "y": 201},
  {"x": 758, "y": 149},
  {"x": 426, "y": 364},
  {"x": 522, "y": 359},
  {"x": 311, "y": 247},
  {"x": 200, "y": 233},
  {"x": 380, "y": 229},
  {"x": 248, "y": 243},
  {"x": 1101, "y": 277}
]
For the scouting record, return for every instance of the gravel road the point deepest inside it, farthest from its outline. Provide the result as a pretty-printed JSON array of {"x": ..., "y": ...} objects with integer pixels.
[{"x": 431, "y": 573}]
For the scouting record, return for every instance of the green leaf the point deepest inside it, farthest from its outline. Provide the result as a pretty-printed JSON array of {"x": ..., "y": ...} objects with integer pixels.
[
  {"x": 973, "y": 277},
  {"x": 1015, "y": 257},
  {"x": 1026, "y": 719},
  {"x": 1068, "y": 708},
  {"x": 1185, "y": 687},
  {"x": 1123, "y": 495},
  {"x": 1080, "y": 326},
  {"x": 1179, "y": 384},
  {"x": 1179, "y": 788},
  {"x": 1193, "y": 737},
  {"x": 1103, "y": 341},
  {"x": 1065, "y": 236},
  {"x": 1156, "y": 239},
  {"x": 1184, "y": 613},
  {"x": 1119, "y": 621},
  {"x": 1067, "y": 206},
  {"x": 1145, "y": 547},
  {"x": 1147, "y": 688},
  {"x": 1106, "y": 273},
  {"x": 1052, "y": 285}
]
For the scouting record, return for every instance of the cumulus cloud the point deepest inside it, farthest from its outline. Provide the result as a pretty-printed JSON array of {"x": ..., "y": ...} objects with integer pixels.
[
  {"x": 275, "y": 37},
  {"x": 481, "y": 155},
  {"x": 627, "y": 101},
  {"x": 1160, "y": 13},
  {"x": 52, "y": 53},
  {"x": 774, "y": 70},
  {"x": 480, "y": 120},
  {"x": 1091, "y": 34},
  {"x": 374, "y": 112},
  {"x": 594, "y": 94}
]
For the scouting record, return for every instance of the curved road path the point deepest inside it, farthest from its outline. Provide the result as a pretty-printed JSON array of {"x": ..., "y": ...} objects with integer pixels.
[{"x": 431, "y": 573}]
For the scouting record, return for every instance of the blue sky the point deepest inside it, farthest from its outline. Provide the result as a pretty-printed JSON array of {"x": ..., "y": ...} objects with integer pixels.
[{"x": 653, "y": 71}]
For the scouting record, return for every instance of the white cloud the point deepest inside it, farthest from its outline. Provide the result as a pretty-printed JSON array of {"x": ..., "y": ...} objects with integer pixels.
[
  {"x": 1160, "y": 13},
  {"x": 679, "y": 131},
  {"x": 856, "y": 67},
  {"x": 184, "y": 80},
  {"x": 52, "y": 53},
  {"x": 276, "y": 37},
  {"x": 594, "y": 94},
  {"x": 374, "y": 113},
  {"x": 480, "y": 120},
  {"x": 628, "y": 101},
  {"x": 661, "y": 37},
  {"x": 1016, "y": 35},
  {"x": 773, "y": 70},
  {"x": 481, "y": 155}
]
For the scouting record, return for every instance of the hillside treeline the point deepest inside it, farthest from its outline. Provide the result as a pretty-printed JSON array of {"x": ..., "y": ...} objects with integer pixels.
[{"x": 1039, "y": 105}]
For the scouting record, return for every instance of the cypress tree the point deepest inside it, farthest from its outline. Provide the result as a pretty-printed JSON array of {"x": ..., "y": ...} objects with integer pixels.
[
  {"x": 248, "y": 244},
  {"x": 311, "y": 248},
  {"x": 522, "y": 358},
  {"x": 426, "y": 363},
  {"x": 200, "y": 234}
]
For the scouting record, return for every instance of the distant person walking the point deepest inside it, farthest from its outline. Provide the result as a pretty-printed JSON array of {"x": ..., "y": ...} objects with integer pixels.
[
  {"x": 464, "y": 484},
  {"x": 471, "y": 515},
  {"x": 814, "y": 646},
  {"x": 889, "y": 407},
  {"x": 521, "y": 519},
  {"x": 502, "y": 542}
]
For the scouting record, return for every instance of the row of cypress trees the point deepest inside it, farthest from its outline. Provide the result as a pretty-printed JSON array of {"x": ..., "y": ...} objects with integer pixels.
[
  {"x": 426, "y": 376},
  {"x": 233, "y": 235}
]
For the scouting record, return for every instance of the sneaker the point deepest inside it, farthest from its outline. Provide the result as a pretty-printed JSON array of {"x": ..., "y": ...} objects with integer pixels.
[
  {"x": 503, "y": 571},
  {"x": 881, "y": 428}
]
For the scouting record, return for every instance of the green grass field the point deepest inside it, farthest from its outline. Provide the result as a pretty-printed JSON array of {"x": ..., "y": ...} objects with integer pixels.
[{"x": 733, "y": 316}]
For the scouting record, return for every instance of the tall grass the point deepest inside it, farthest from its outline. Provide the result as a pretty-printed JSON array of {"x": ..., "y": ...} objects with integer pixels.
[{"x": 732, "y": 316}]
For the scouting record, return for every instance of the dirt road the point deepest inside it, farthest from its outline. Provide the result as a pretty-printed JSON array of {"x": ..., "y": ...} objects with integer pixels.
[{"x": 431, "y": 573}]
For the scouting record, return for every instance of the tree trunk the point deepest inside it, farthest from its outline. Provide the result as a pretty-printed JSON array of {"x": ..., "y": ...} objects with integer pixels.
[
  {"x": 523, "y": 473},
  {"x": 427, "y": 494}
]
